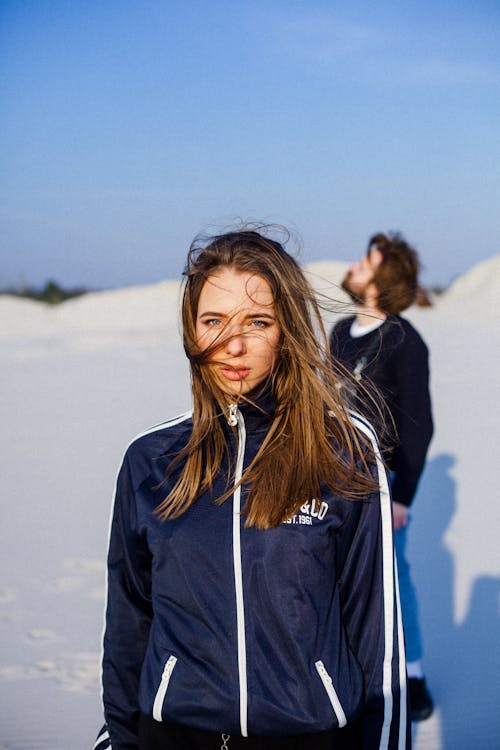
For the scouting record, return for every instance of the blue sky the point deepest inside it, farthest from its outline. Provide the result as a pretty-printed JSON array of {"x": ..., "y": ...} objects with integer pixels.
[{"x": 128, "y": 127}]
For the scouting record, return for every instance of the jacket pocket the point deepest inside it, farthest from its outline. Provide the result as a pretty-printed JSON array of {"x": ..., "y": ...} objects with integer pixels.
[
  {"x": 332, "y": 694},
  {"x": 163, "y": 687}
]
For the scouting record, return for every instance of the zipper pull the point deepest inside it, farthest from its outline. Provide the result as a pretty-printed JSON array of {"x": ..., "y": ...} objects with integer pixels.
[
  {"x": 360, "y": 365},
  {"x": 233, "y": 415}
]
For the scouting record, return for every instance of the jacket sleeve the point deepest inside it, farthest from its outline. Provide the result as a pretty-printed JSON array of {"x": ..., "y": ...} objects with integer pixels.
[
  {"x": 128, "y": 616},
  {"x": 372, "y": 618},
  {"x": 413, "y": 418}
]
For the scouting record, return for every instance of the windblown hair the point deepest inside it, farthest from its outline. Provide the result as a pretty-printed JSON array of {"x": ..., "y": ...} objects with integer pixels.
[
  {"x": 396, "y": 278},
  {"x": 312, "y": 442}
]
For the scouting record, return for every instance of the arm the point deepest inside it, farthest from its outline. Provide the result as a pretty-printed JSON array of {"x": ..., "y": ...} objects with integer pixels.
[
  {"x": 413, "y": 417},
  {"x": 128, "y": 616},
  {"x": 337, "y": 338},
  {"x": 371, "y": 615}
]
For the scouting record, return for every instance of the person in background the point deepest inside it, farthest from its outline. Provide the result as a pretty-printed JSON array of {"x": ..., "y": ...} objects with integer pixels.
[
  {"x": 382, "y": 349},
  {"x": 252, "y": 594}
]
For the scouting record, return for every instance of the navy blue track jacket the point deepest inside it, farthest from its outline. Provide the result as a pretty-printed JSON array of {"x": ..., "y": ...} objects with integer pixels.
[{"x": 225, "y": 628}]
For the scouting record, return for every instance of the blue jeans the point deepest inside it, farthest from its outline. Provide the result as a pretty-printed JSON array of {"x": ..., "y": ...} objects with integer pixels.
[{"x": 409, "y": 604}]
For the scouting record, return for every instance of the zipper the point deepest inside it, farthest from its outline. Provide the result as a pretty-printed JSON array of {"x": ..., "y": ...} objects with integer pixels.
[
  {"x": 334, "y": 699},
  {"x": 161, "y": 692},
  {"x": 237, "y": 419},
  {"x": 233, "y": 415}
]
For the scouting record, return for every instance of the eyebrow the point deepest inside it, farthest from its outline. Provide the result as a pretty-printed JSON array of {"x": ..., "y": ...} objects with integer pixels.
[{"x": 214, "y": 314}]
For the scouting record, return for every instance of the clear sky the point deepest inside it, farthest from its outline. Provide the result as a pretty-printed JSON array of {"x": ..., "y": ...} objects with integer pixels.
[{"x": 129, "y": 126}]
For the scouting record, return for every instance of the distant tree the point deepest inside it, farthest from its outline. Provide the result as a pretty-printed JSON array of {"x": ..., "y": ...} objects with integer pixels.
[
  {"x": 52, "y": 293},
  {"x": 438, "y": 289}
]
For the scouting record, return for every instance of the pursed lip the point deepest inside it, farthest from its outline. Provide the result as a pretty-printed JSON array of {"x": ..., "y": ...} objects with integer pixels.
[{"x": 235, "y": 373}]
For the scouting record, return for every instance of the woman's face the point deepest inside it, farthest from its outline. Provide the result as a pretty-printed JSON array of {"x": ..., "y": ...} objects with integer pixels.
[{"x": 238, "y": 308}]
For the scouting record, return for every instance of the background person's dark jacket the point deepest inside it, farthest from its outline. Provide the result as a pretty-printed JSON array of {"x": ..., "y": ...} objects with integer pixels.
[{"x": 397, "y": 363}]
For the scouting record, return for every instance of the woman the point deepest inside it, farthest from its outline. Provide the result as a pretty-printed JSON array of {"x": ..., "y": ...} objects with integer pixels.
[{"x": 251, "y": 592}]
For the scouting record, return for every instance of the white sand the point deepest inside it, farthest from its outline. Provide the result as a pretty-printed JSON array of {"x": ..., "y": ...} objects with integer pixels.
[{"x": 79, "y": 380}]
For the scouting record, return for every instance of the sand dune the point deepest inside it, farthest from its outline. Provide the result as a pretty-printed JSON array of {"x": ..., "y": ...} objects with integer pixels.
[{"x": 480, "y": 286}]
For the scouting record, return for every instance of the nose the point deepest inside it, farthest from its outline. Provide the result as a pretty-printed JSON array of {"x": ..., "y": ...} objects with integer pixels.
[{"x": 236, "y": 344}]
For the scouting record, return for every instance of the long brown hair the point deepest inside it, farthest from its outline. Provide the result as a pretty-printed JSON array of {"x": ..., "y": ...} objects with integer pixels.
[{"x": 312, "y": 440}]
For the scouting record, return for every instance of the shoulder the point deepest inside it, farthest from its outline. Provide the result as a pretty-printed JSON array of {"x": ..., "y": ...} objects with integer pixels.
[
  {"x": 167, "y": 436},
  {"x": 148, "y": 454},
  {"x": 370, "y": 457},
  {"x": 341, "y": 329},
  {"x": 343, "y": 324},
  {"x": 401, "y": 333},
  {"x": 364, "y": 426}
]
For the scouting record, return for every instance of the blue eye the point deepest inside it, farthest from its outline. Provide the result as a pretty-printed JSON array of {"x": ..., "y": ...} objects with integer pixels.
[{"x": 260, "y": 323}]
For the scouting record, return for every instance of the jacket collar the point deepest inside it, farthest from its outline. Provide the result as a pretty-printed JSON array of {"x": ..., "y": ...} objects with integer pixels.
[{"x": 258, "y": 411}]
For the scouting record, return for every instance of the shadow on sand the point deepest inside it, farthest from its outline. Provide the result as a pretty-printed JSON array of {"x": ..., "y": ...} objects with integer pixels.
[{"x": 462, "y": 661}]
